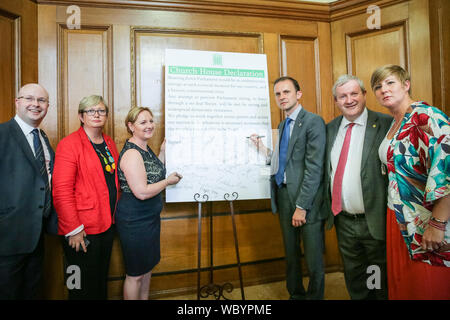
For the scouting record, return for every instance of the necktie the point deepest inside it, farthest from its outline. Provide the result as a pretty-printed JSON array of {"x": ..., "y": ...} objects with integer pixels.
[
  {"x": 336, "y": 202},
  {"x": 40, "y": 158},
  {"x": 279, "y": 177}
]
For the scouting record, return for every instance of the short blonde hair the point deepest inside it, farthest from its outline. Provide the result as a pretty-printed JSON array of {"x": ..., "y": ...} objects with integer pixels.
[
  {"x": 133, "y": 114},
  {"x": 91, "y": 101},
  {"x": 387, "y": 70}
]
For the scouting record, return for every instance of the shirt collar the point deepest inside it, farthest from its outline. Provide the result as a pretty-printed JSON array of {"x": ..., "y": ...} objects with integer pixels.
[
  {"x": 294, "y": 114},
  {"x": 26, "y": 128},
  {"x": 361, "y": 120}
]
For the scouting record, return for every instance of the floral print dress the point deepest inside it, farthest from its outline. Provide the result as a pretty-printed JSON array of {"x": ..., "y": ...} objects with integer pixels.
[{"x": 419, "y": 174}]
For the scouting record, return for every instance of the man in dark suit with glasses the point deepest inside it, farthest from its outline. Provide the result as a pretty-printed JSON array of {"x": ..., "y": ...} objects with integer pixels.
[{"x": 25, "y": 195}]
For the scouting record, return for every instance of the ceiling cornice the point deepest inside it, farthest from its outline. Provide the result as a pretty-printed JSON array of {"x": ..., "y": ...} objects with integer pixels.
[
  {"x": 283, "y": 9},
  {"x": 346, "y": 8}
]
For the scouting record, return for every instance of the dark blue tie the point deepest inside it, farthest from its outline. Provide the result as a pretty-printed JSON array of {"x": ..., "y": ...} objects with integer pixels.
[
  {"x": 279, "y": 177},
  {"x": 40, "y": 158}
]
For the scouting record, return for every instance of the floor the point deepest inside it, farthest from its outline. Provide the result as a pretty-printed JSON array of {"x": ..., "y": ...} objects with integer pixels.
[{"x": 334, "y": 290}]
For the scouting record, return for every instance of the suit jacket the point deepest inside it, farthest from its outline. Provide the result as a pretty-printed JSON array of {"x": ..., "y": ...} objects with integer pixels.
[
  {"x": 22, "y": 191},
  {"x": 374, "y": 183},
  {"x": 304, "y": 165},
  {"x": 80, "y": 193}
]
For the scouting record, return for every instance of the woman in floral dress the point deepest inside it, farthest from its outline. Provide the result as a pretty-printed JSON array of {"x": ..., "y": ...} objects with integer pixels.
[{"x": 417, "y": 153}]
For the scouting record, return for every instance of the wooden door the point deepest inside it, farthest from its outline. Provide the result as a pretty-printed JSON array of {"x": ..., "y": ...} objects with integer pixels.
[{"x": 9, "y": 75}]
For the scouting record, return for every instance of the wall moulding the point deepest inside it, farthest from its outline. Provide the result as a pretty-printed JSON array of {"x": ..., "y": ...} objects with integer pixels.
[
  {"x": 289, "y": 9},
  {"x": 255, "y": 8},
  {"x": 347, "y": 8}
]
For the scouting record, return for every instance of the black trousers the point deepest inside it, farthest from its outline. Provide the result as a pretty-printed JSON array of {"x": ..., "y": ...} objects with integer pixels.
[
  {"x": 91, "y": 267},
  {"x": 21, "y": 274}
]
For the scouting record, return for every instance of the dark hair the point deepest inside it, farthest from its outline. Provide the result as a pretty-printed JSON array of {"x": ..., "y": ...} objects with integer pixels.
[{"x": 294, "y": 82}]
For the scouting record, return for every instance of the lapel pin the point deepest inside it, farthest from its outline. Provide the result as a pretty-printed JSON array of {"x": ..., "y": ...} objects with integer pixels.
[
  {"x": 374, "y": 125},
  {"x": 299, "y": 124}
]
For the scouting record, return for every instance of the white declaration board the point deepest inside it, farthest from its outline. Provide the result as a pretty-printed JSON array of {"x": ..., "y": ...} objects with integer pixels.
[{"x": 213, "y": 102}]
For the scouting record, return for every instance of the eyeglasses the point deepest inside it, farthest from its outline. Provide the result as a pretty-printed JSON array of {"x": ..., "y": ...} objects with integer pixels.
[
  {"x": 92, "y": 112},
  {"x": 31, "y": 99}
]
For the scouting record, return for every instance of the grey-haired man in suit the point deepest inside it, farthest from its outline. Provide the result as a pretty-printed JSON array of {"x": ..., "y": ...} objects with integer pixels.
[
  {"x": 295, "y": 189},
  {"x": 25, "y": 196},
  {"x": 355, "y": 189}
]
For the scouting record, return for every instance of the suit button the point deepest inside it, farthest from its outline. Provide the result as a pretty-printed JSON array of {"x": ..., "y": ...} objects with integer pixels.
[
  {"x": 42, "y": 188},
  {"x": 41, "y": 207}
]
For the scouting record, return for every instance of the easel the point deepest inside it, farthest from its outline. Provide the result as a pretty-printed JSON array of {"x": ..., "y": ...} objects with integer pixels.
[{"x": 211, "y": 288}]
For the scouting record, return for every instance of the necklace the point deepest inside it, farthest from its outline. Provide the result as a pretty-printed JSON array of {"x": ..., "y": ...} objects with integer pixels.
[{"x": 108, "y": 160}]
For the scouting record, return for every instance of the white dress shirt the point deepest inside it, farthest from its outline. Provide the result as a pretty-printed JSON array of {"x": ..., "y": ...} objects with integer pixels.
[{"x": 352, "y": 196}]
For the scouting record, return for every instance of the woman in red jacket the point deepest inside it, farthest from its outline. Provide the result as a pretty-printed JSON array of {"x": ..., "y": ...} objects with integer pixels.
[{"x": 85, "y": 194}]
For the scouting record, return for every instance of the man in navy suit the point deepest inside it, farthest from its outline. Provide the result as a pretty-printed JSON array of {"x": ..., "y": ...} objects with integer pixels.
[{"x": 25, "y": 195}]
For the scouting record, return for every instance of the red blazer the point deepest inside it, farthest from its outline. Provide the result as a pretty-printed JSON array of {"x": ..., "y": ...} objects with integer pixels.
[{"x": 80, "y": 193}]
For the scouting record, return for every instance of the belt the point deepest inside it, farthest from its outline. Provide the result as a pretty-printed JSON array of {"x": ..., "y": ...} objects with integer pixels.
[{"x": 352, "y": 215}]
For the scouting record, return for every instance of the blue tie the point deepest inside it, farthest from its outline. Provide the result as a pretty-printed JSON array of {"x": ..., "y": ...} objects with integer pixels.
[
  {"x": 39, "y": 153},
  {"x": 279, "y": 177}
]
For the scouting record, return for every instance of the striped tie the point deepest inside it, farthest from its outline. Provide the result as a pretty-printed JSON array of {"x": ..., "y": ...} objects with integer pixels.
[{"x": 39, "y": 153}]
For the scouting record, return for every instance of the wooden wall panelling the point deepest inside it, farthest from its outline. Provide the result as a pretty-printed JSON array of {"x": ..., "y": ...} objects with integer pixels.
[
  {"x": 440, "y": 48},
  {"x": 73, "y": 64},
  {"x": 85, "y": 68},
  {"x": 324, "y": 86},
  {"x": 402, "y": 39},
  {"x": 166, "y": 20},
  {"x": 306, "y": 59},
  {"x": 420, "y": 50},
  {"x": 368, "y": 50},
  {"x": 325, "y": 71},
  {"x": 9, "y": 25},
  {"x": 26, "y": 10},
  {"x": 179, "y": 241},
  {"x": 149, "y": 61},
  {"x": 48, "y": 70},
  {"x": 272, "y": 51},
  {"x": 258, "y": 242},
  {"x": 165, "y": 285},
  {"x": 53, "y": 284},
  {"x": 19, "y": 47},
  {"x": 348, "y": 30},
  {"x": 177, "y": 30},
  {"x": 250, "y": 8},
  {"x": 299, "y": 60},
  {"x": 342, "y": 9},
  {"x": 179, "y": 234}
]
